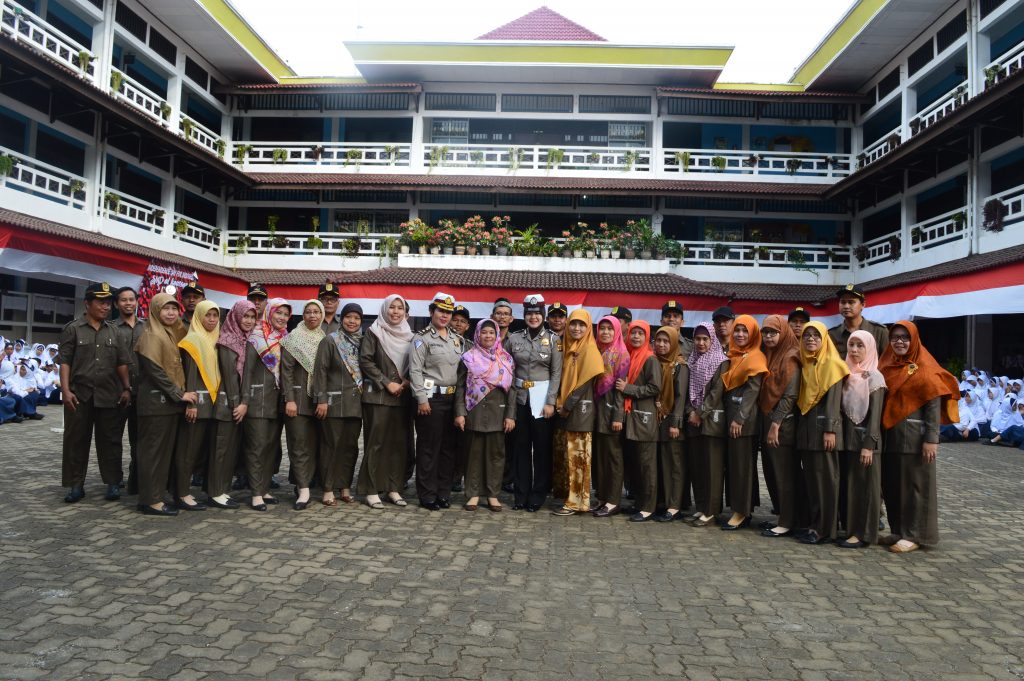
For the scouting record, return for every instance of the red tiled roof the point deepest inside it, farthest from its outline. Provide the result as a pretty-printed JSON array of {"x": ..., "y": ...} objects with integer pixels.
[
  {"x": 486, "y": 182},
  {"x": 972, "y": 263},
  {"x": 542, "y": 24}
]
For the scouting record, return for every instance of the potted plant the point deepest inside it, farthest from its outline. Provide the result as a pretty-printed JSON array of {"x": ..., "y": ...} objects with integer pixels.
[
  {"x": 242, "y": 152},
  {"x": 220, "y": 146},
  {"x": 187, "y": 125},
  {"x": 554, "y": 158},
  {"x": 643, "y": 240},
  {"x": 316, "y": 151},
  {"x": 7, "y": 163},
  {"x": 354, "y": 156},
  {"x": 116, "y": 80},
  {"x": 416, "y": 234},
  {"x": 862, "y": 160},
  {"x": 893, "y": 140},
  {"x": 515, "y": 158},
  {"x": 752, "y": 160},
  {"x": 992, "y": 73},
  {"x": 861, "y": 252},
  {"x": 280, "y": 155},
  {"x": 438, "y": 155},
  {"x": 959, "y": 220},
  {"x": 718, "y": 163},
  {"x": 669, "y": 248},
  {"x": 112, "y": 201},
  {"x": 165, "y": 111},
  {"x": 387, "y": 249},
  {"x": 76, "y": 188},
  {"x": 993, "y": 213},
  {"x": 242, "y": 243},
  {"x": 793, "y": 165},
  {"x": 895, "y": 247},
  {"x": 683, "y": 159},
  {"x": 593, "y": 158},
  {"x": 391, "y": 151},
  {"x": 915, "y": 235},
  {"x": 501, "y": 233},
  {"x": 477, "y": 157},
  {"x": 350, "y": 247},
  {"x": 629, "y": 159},
  {"x": 181, "y": 226},
  {"x": 720, "y": 250},
  {"x": 314, "y": 243},
  {"x": 84, "y": 61}
]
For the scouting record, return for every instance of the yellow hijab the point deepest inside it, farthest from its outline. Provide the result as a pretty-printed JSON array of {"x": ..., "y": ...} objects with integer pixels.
[
  {"x": 819, "y": 371},
  {"x": 201, "y": 345},
  {"x": 581, "y": 359}
]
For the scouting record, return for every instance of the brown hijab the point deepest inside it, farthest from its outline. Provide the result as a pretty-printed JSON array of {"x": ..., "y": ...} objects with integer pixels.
[
  {"x": 667, "y": 397},
  {"x": 783, "y": 362},
  {"x": 159, "y": 342},
  {"x": 914, "y": 380}
]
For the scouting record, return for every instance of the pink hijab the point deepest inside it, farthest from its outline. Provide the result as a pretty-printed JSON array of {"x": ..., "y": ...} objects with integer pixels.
[
  {"x": 863, "y": 380},
  {"x": 486, "y": 369},
  {"x": 615, "y": 356}
]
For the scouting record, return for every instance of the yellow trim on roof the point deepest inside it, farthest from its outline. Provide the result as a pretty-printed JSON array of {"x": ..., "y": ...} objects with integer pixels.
[
  {"x": 411, "y": 53},
  {"x": 838, "y": 39},
  {"x": 761, "y": 87},
  {"x": 236, "y": 25}
]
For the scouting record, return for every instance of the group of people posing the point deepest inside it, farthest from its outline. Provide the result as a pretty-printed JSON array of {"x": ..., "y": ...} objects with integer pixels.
[
  {"x": 843, "y": 417},
  {"x": 28, "y": 380}
]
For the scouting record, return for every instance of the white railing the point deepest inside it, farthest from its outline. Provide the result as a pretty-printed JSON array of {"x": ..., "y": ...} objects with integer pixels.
[
  {"x": 512, "y": 158},
  {"x": 878, "y": 250},
  {"x": 336, "y": 244},
  {"x": 939, "y": 109},
  {"x": 880, "y": 148},
  {"x": 138, "y": 96},
  {"x": 199, "y": 134},
  {"x": 333, "y": 154},
  {"x": 1005, "y": 65},
  {"x": 750, "y": 254},
  {"x": 195, "y": 232},
  {"x": 748, "y": 162},
  {"x": 1013, "y": 203},
  {"x": 121, "y": 207},
  {"x": 41, "y": 179},
  {"x": 941, "y": 229},
  {"x": 25, "y": 27}
]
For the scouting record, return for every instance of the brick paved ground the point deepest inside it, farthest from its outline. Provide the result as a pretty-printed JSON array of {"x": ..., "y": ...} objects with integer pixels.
[{"x": 97, "y": 591}]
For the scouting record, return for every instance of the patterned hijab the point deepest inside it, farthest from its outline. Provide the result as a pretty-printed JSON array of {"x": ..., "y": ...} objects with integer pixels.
[
  {"x": 783, "y": 362},
  {"x": 486, "y": 369},
  {"x": 201, "y": 346},
  {"x": 348, "y": 345},
  {"x": 667, "y": 396},
  {"x": 394, "y": 338},
  {"x": 231, "y": 335},
  {"x": 267, "y": 340},
  {"x": 863, "y": 380},
  {"x": 704, "y": 365},
  {"x": 581, "y": 360},
  {"x": 159, "y": 342},
  {"x": 303, "y": 342},
  {"x": 745, "y": 361},
  {"x": 915, "y": 379},
  {"x": 615, "y": 356},
  {"x": 820, "y": 370}
]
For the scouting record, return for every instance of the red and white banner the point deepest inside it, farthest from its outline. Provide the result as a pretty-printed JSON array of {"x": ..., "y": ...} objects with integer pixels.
[{"x": 157, "y": 277}]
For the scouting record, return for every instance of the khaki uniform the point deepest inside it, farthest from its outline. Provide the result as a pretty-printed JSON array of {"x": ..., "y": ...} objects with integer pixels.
[
  {"x": 821, "y": 468},
  {"x": 263, "y": 421},
  {"x": 709, "y": 462},
  {"x": 160, "y": 409},
  {"x": 607, "y": 448},
  {"x": 485, "y": 437},
  {"x": 334, "y": 386},
  {"x": 330, "y": 326},
  {"x": 642, "y": 434},
  {"x": 741, "y": 455},
  {"x": 129, "y": 418},
  {"x": 228, "y": 433},
  {"x": 302, "y": 432},
  {"x": 93, "y": 357},
  {"x": 433, "y": 373},
  {"x": 909, "y": 483},
  {"x": 863, "y": 485},
  {"x": 840, "y": 335},
  {"x": 672, "y": 474},
  {"x": 386, "y": 422},
  {"x": 195, "y": 440},
  {"x": 790, "y": 495}
]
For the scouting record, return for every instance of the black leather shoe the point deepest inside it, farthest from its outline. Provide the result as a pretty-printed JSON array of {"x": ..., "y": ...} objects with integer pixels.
[
  {"x": 771, "y": 533},
  {"x": 639, "y": 517},
  {"x": 198, "y": 506},
  {"x": 164, "y": 510},
  {"x": 851, "y": 545},
  {"x": 518, "y": 507},
  {"x": 36, "y": 417},
  {"x": 430, "y": 505},
  {"x": 444, "y": 502},
  {"x": 664, "y": 517},
  {"x": 812, "y": 538},
  {"x": 300, "y": 505},
  {"x": 271, "y": 500},
  {"x": 765, "y": 525},
  {"x": 532, "y": 508},
  {"x": 76, "y": 493},
  {"x": 230, "y": 503},
  {"x": 259, "y": 507},
  {"x": 731, "y": 528},
  {"x": 113, "y": 493},
  {"x": 605, "y": 512}
]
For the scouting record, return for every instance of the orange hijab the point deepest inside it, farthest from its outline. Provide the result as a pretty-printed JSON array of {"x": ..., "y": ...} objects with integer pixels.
[
  {"x": 914, "y": 380},
  {"x": 783, "y": 362},
  {"x": 581, "y": 360},
  {"x": 637, "y": 356},
  {"x": 747, "y": 361}
]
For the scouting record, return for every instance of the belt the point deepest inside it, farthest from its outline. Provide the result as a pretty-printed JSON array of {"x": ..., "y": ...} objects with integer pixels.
[
  {"x": 520, "y": 383},
  {"x": 443, "y": 390}
]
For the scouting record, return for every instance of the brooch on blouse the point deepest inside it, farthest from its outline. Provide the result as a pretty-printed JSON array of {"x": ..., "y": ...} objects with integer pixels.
[{"x": 911, "y": 369}]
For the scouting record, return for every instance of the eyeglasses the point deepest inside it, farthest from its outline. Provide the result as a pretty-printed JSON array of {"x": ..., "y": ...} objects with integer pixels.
[{"x": 899, "y": 339}]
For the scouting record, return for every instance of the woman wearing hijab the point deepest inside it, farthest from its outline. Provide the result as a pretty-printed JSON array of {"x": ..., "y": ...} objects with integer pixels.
[
  {"x": 338, "y": 389},
  {"x": 609, "y": 404},
  {"x": 777, "y": 403},
  {"x": 922, "y": 395},
  {"x": 485, "y": 411},
  {"x": 741, "y": 384},
  {"x": 819, "y": 429},
  {"x": 671, "y": 407},
  {"x": 162, "y": 397},
  {"x": 640, "y": 389},
  {"x": 232, "y": 402},
  {"x": 863, "y": 396},
  {"x": 262, "y": 425},
  {"x": 202, "y": 376},
  {"x": 384, "y": 362},
  {"x": 581, "y": 364},
  {"x": 705, "y": 430},
  {"x": 298, "y": 357}
]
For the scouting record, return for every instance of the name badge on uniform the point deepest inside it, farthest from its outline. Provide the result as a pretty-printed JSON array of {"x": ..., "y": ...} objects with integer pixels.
[
  {"x": 428, "y": 383},
  {"x": 417, "y": 342},
  {"x": 545, "y": 342}
]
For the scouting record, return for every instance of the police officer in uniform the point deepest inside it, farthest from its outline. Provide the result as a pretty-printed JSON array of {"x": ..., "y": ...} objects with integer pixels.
[
  {"x": 460, "y": 324},
  {"x": 851, "y": 308},
  {"x": 95, "y": 385},
  {"x": 798, "y": 318},
  {"x": 623, "y": 314},
  {"x": 258, "y": 296},
  {"x": 433, "y": 373},
  {"x": 557, "y": 314},
  {"x": 330, "y": 297},
  {"x": 538, "y": 375},
  {"x": 130, "y": 327},
  {"x": 191, "y": 295},
  {"x": 672, "y": 315}
]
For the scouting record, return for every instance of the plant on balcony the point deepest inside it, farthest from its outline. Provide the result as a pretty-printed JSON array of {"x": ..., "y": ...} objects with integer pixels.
[
  {"x": 181, "y": 226},
  {"x": 116, "y": 79},
  {"x": 862, "y": 160},
  {"x": 242, "y": 152},
  {"x": 547, "y": 248},
  {"x": 959, "y": 220},
  {"x": 798, "y": 260},
  {"x": 470, "y": 234},
  {"x": 75, "y": 187},
  {"x": 667, "y": 248},
  {"x": 242, "y": 243},
  {"x": 445, "y": 236},
  {"x": 515, "y": 158},
  {"x": 111, "y": 201},
  {"x": 915, "y": 126},
  {"x": 752, "y": 160},
  {"x": 608, "y": 240},
  {"x": 629, "y": 159},
  {"x": 834, "y": 255},
  {"x": 316, "y": 151},
  {"x": 276, "y": 240},
  {"x": 993, "y": 213},
  {"x": 833, "y": 161},
  {"x": 501, "y": 233},
  {"x": 7, "y": 163},
  {"x": 718, "y": 163},
  {"x": 416, "y": 234},
  {"x": 793, "y": 165},
  {"x": 220, "y": 146},
  {"x": 861, "y": 252},
  {"x": 893, "y": 140},
  {"x": 720, "y": 250},
  {"x": 554, "y": 158},
  {"x": 683, "y": 159},
  {"x": 593, "y": 158},
  {"x": 960, "y": 94},
  {"x": 477, "y": 157},
  {"x": 354, "y": 156},
  {"x": 391, "y": 151},
  {"x": 579, "y": 239},
  {"x": 992, "y": 73},
  {"x": 438, "y": 155},
  {"x": 314, "y": 243},
  {"x": 165, "y": 111},
  {"x": 915, "y": 235},
  {"x": 350, "y": 247},
  {"x": 187, "y": 125},
  {"x": 388, "y": 248},
  {"x": 528, "y": 241},
  {"x": 84, "y": 61},
  {"x": 315, "y": 222},
  {"x": 281, "y": 155},
  {"x": 762, "y": 252},
  {"x": 895, "y": 247}
]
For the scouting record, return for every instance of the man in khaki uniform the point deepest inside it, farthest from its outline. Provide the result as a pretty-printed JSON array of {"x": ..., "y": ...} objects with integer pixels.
[
  {"x": 130, "y": 327},
  {"x": 672, "y": 315},
  {"x": 330, "y": 296},
  {"x": 94, "y": 385},
  {"x": 851, "y": 307}
]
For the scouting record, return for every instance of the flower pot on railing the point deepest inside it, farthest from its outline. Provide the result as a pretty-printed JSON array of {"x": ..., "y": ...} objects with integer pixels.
[
  {"x": 422, "y": 250},
  {"x": 502, "y": 250},
  {"x": 615, "y": 254},
  {"x": 591, "y": 254},
  {"x": 404, "y": 249},
  {"x": 605, "y": 253},
  {"x": 471, "y": 250},
  {"x": 485, "y": 250},
  {"x": 629, "y": 254},
  {"x": 577, "y": 253},
  {"x": 460, "y": 250},
  {"x": 449, "y": 250},
  {"x": 645, "y": 255},
  {"x": 435, "y": 250}
]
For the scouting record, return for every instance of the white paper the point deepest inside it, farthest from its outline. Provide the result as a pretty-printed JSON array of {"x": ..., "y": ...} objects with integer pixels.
[{"x": 538, "y": 398}]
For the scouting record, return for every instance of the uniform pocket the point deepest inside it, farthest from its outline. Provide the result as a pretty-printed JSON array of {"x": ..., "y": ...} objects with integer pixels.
[{"x": 585, "y": 406}]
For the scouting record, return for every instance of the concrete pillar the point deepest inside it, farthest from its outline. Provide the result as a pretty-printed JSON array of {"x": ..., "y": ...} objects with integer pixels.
[
  {"x": 979, "y": 51},
  {"x": 418, "y": 138},
  {"x": 908, "y": 216},
  {"x": 168, "y": 194},
  {"x": 174, "y": 91},
  {"x": 103, "y": 45}
]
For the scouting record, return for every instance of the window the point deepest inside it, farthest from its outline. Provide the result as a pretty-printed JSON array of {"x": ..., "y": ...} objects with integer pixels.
[
  {"x": 537, "y": 103},
  {"x": 449, "y": 131},
  {"x": 454, "y": 101},
  {"x": 614, "y": 104}
]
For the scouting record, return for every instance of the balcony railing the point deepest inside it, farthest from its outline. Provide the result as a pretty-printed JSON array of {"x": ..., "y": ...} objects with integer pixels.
[
  {"x": 196, "y": 132},
  {"x": 195, "y": 232},
  {"x": 1012, "y": 201},
  {"x": 754, "y": 163},
  {"x": 941, "y": 229},
  {"x": 534, "y": 159},
  {"x": 117, "y": 205},
  {"x": 881, "y": 147},
  {"x": 138, "y": 96},
  {"x": 748, "y": 254},
  {"x": 333, "y": 154},
  {"x": 25, "y": 27},
  {"x": 1005, "y": 65},
  {"x": 326, "y": 244},
  {"x": 939, "y": 109},
  {"x": 41, "y": 179},
  {"x": 879, "y": 250}
]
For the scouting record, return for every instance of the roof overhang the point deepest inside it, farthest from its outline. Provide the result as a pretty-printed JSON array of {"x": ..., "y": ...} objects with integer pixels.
[
  {"x": 319, "y": 86},
  {"x": 222, "y": 35},
  {"x": 538, "y": 62},
  {"x": 765, "y": 93},
  {"x": 870, "y": 34}
]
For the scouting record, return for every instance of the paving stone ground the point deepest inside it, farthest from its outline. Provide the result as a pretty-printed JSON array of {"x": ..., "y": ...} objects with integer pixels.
[{"x": 95, "y": 590}]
